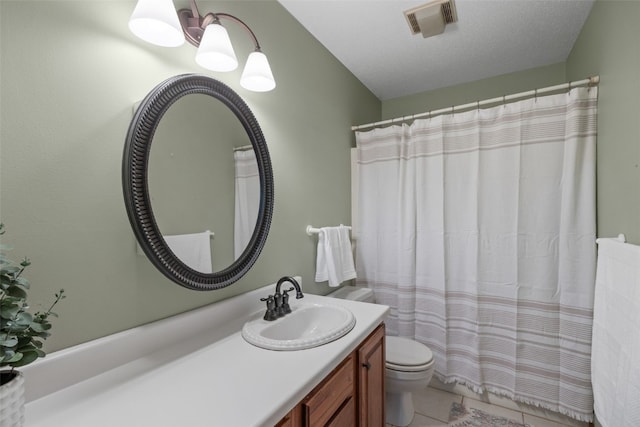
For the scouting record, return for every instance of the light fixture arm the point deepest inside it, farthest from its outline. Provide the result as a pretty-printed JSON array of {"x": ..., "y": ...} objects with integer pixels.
[
  {"x": 193, "y": 25},
  {"x": 242, "y": 24}
]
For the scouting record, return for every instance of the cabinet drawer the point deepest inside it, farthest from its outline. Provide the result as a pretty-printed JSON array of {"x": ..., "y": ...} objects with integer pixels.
[
  {"x": 329, "y": 396},
  {"x": 292, "y": 419},
  {"x": 346, "y": 416}
]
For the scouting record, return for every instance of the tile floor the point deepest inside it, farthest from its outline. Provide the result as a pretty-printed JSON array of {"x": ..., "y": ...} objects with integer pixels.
[{"x": 433, "y": 404}]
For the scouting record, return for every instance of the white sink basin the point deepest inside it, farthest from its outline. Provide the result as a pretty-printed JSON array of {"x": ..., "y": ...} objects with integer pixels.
[{"x": 308, "y": 325}]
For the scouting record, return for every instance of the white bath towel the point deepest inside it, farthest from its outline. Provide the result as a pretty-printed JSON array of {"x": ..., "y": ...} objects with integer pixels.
[
  {"x": 615, "y": 355},
  {"x": 335, "y": 258},
  {"x": 193, "y": 249}
]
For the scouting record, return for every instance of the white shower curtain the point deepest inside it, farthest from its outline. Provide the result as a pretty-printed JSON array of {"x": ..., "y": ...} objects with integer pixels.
[
  {"x": 247, "y": 199},
  {"x": 478, "y": 229}
]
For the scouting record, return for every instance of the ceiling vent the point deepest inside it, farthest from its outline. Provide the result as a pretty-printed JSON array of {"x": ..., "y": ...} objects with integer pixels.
[{"x": 431, "y": 18}]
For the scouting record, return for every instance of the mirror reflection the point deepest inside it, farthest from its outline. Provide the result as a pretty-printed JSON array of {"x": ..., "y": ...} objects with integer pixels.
[{"x": 204, "y": 183}]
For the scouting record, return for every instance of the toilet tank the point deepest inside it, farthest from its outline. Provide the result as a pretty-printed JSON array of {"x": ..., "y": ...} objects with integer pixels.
[{"x": 354, "y": 293}]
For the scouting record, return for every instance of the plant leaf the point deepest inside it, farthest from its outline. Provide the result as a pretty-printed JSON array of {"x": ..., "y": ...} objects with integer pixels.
[
  {"x": 27, "y": 357},
  {"x": 22, "y": 281},
  {"x": 16, "y": 291},
  {"x": 28, "y": 346},
  {"x": 14, "y": 358},
  {"x": 38, "y": 327},
  {"x": 9, "y": 311},
  {"x": 13, "y": 326},
  {"x": 9, "y": 341},
  {"x": 9, "y": 269},
  {"x": 24, "y": 319}
]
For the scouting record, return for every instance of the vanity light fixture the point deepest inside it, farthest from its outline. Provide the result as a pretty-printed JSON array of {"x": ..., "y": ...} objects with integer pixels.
[{"x": 157, "y": 22}]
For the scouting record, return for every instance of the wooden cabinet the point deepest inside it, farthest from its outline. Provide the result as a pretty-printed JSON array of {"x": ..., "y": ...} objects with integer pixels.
[{"x": 351, "y": 395}]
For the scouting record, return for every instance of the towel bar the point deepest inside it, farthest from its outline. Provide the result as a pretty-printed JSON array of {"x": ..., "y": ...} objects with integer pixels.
[
  {"x": 311, "y": 230},
  {"x": 139, "y": 250}
]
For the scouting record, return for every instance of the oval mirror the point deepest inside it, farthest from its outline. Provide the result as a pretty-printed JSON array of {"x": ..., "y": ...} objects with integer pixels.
[{"x": 197, "y": 177}]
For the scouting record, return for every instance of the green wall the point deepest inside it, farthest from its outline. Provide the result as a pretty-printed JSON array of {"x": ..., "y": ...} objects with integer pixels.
[
  {"x": 70, "y": 73},
  {"x": 608, "y": 47},
  {"x": 473, "y": 91}
]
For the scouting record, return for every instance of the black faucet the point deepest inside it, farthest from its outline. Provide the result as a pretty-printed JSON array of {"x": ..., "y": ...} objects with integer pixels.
[
  {"x": 278, "y": 304},
  {"x": 282, "y": 300}
]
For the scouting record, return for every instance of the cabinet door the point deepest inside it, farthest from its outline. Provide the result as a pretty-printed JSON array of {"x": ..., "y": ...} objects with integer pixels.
[{"x": 371, "y": 372}]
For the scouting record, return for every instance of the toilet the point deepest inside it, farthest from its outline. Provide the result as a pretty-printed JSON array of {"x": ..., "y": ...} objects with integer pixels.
[{"x": 409, "y": 365}]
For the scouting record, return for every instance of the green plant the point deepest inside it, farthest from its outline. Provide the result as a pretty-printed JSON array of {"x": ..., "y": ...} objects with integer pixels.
[{"x": 21, "y": 333}]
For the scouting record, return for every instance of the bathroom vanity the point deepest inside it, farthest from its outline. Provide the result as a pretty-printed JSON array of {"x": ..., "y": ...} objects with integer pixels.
[
  {"x": 352, "y": 395},
  {"x": 195, "y": 369}
]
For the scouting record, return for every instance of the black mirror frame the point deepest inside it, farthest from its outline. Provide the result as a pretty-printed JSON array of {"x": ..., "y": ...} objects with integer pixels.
[{"x": 135, "y": 184}]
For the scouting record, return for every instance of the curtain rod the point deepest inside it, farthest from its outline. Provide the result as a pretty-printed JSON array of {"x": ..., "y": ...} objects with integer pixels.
[{"x": 591, "y": 81}]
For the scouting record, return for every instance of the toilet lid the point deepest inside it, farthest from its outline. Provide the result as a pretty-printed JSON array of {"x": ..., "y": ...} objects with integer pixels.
[{"x": 406, "y": 354}]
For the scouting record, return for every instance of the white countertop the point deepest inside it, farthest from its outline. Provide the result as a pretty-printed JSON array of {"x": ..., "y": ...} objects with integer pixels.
[{"x": 212, "y": 378}]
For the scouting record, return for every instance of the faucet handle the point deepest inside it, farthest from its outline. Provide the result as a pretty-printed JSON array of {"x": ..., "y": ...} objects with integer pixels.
[
  {"x": 286, "y": 308},
  {"x": 271, "y": 313}
]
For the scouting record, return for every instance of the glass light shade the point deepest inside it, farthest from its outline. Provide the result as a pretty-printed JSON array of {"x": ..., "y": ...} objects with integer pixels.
[
  {"x": 156, "y": 22},
  {"x": 257, "y": 75},
  {"x": 215, "y": 52}
]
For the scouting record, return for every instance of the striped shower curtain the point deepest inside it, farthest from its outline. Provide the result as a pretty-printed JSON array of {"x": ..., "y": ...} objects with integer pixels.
[{"x": 478, "y": 229}]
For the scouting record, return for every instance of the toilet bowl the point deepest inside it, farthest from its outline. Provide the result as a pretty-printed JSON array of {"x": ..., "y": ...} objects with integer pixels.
[
  {"x": 409, "y": 368},
  {"x": 409, "y": 365}
]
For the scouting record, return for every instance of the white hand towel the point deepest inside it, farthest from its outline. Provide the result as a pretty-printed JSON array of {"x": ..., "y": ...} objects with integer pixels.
[
  {"x": 615, "y": 353},
  {"x": 193, "y": 249},
  {"x": 335, "y": 259}
]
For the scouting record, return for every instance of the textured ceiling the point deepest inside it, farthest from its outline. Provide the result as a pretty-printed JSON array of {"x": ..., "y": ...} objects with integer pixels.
[{"x": 492, "y": 37}]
